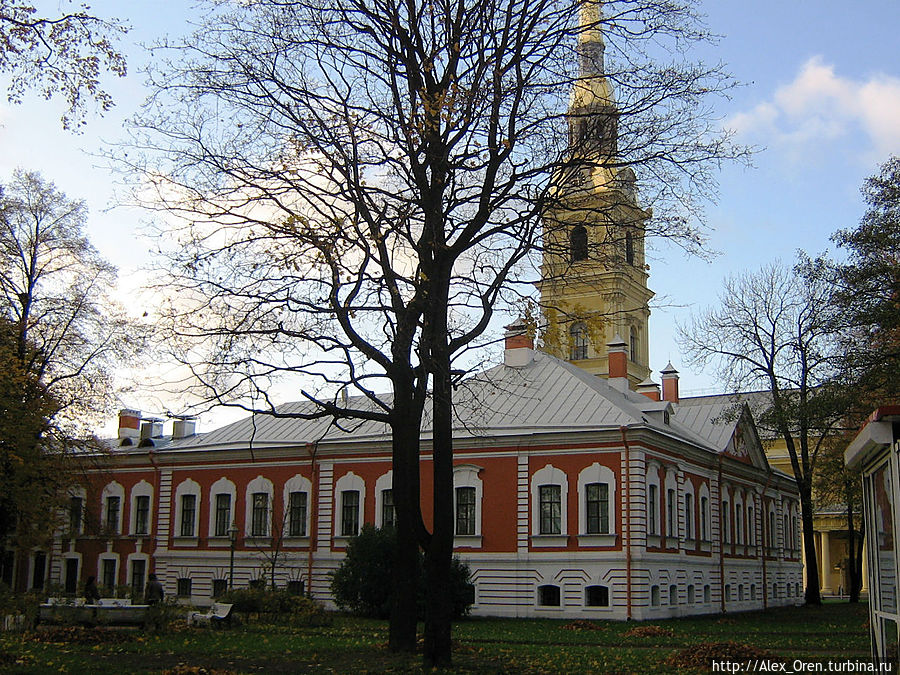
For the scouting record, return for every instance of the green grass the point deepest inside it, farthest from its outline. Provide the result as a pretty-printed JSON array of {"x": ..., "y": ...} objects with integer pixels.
[{"x": 482, "y": 645}]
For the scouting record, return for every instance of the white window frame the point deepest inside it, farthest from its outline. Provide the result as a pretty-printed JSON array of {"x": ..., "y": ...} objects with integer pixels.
[
  {"x": 297, "y": 483},
  {"x": 596, "y": 473},
  {"x": 136, "y": 556},
  {"x": 671, "y": 484},
  {"x": 740, "y": 531},
  {"x": 221, "y": 486},
  {"x": 140, "y": 489},
  {"x": 187, "y": 487},
  {"x": 107, "y": 556},
  {"x": 690, "y": 513},
  {"x": 264, "y": 485},
  {"x": 466, "y": 475},
  {"x": 112, "y": 489},
  {"x": 384, "y": 482},
  {"x": 349, "y": 481},
  {"x": 704, "y": 516},
  {"x": 654, "y": 529},
  {"x": 549, "y": 475}
]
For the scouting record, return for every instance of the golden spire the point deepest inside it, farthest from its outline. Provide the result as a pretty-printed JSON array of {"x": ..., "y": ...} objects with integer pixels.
[{"x": 592, "y": 89}]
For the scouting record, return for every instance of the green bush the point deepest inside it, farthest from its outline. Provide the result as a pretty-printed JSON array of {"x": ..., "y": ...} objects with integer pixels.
[
  {"x": 362, "y": 584},
  {"x": 278, "y": 604}
]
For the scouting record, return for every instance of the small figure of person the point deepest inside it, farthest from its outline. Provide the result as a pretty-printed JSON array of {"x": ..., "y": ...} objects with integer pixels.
[
  {"x": 91, "y": 592},
  {"x": 154, "y": 592}
]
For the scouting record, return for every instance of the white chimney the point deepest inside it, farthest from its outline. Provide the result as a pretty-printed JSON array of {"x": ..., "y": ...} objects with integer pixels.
[
  {"x": 184, "y": 427},
  {"x": 151, "y": 428}
]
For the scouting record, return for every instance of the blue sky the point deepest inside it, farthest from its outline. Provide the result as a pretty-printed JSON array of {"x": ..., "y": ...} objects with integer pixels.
[{"x": 820, "y": 99}]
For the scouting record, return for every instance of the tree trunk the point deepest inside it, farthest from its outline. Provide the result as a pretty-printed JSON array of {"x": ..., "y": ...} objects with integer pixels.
[
  {"x": 405, "y": 487},
  {"x": 439, "y": 553},
  {"x": 856, "y": 554},
  {"x": 812, "y": 595}
]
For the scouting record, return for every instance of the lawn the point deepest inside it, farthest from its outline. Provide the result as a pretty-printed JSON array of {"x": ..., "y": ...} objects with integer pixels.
[{"x": 350, "y": 645}]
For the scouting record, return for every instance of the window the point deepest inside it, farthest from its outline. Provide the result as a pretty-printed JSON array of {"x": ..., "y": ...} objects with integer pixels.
[
  {"x": 596, "y": 596},
  {"x": 629, "y": 247},
  {"x": 548, "y": 596},
  {"x": 188, "y": 514},
  {"x": 740, "y": 592},
  {"x": 597, "y": 506},
  {"x": 578, "y": 243},
  {"x": 141, "y": 514},
  {"x": 184, "y": 587},
  {"x": 753, "y": 591},
  {"x": 349, "y": 502},
  {"x": 653, "y": 509},
  {"x": 187, "y": 508},
  {"x": 296, "y": 500},
  {"x": 551, "y": 510},
  {"x": 727, "y": 592},
  {"x": 673, "y": 594},
  {"x": 39, "y": 571},
  {"x": 704, "y": 518},
  {"x": 671, "y": 521},
  {"x": 578, "y": 339},
  {"x": 548, "y": 496},
  {"x": 725, "y": 522},
  {"x": 465, "y": 511},
  {"x": 751, "y": 538},
  {"x": 689, "y": 516},
  {"x": 259, "y": 523},
  {"x": 596, "y": 512},
  {"x": 388, "y": 512},
  {"x": 295, "y": 587},
  {"x": 738, "y": 518},
  {"x": 633, "y": 345},
  {"x": 113, "y": 505},
  {"x": 654, "y": 596},
  {"x": 707, "y": 594},
  {"x": 138, "y": 575},
  {"x": 772, "y": 528},
  {"x": 297, "y": 514},
  {"x": 108, "y": 573},
  {"x": 219, "y": 587},
  {"x": 691, "y": 596},
  {"x": 786, "y": 531},
  {"x": 349, "y": 513},
  {"x": 76, "y": 514},
  {"x": 468, "y": 495},
  {"x": 223, "y": 514}
]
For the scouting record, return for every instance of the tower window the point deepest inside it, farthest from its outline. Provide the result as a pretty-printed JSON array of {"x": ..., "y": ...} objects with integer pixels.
[
  {"x": 629, "y": 247},
  {"x": 634, "y": 345},
  {"x": 579, "y": 341},
  {"x": 578, "y": 243}
]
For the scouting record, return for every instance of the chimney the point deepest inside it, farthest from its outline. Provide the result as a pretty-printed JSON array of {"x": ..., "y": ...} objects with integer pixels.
[
  {"x": 184, "y": 427},
  {"x": 618, "y": 363},
  {"x": 519, "y": 345},
  {"x": 670, "y": 383},
  {"x": 129, "y": 423},
  {"x": 151, "y": 428},
  {"x": 649, "y": 388}
]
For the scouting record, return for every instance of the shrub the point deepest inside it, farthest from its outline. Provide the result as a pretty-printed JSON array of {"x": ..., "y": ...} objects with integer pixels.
[
  {"x": 363, "y": 584},
  {"x": 299, "y": 609}
]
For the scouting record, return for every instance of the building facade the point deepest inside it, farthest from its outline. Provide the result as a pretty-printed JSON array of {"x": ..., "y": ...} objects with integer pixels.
[{"x": 574, "y": 497}]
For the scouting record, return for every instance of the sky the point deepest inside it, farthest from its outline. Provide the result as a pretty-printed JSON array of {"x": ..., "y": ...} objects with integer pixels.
[{"x": 819, "y": 100}]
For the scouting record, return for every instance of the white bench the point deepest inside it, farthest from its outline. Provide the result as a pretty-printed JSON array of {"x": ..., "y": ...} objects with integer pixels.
[{"x": 218, "y": 613}]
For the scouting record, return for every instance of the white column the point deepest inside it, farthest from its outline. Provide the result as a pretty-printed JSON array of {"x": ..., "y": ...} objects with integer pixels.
[{"x": 825, "y": 581}]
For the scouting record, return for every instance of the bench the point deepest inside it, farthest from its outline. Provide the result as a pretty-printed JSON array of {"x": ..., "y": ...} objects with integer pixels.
[
  {"x": 218, "y": 614},
  {"x": 108, "y": 612}
]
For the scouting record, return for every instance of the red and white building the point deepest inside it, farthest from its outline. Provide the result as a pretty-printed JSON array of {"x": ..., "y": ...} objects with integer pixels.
[{"x": 574, "y": 497}]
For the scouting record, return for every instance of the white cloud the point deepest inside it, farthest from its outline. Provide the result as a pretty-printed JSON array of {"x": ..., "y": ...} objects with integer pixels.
[{"x": 820, "y": 105}]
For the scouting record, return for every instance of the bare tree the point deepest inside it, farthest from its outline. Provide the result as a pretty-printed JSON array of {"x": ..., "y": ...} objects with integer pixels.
[
  {"x": 775, "y": 330},
  {"x": 60, "y": 55},
  {"x": 361, "y": 188}
]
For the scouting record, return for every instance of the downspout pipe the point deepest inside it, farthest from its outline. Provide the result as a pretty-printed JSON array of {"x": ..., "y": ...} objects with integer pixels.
[
  {"x": 721, "y": 542},
  {"x": 312, "y": 449},
  {"x": 627, "y": 523}
]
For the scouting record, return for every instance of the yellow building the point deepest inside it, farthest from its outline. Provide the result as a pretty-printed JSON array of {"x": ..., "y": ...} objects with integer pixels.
[{"x": 593, "y": 276}]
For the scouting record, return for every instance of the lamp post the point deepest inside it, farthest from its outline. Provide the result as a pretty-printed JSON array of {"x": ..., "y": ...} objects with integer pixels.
[{"x": 232, "y": 534}]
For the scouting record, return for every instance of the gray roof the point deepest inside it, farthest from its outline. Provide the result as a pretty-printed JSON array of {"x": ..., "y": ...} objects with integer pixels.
[{"x": 545, "y": 396}]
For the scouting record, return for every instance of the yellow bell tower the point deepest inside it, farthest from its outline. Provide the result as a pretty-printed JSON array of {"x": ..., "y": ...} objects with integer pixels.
[{"x": 593, "y": 275}]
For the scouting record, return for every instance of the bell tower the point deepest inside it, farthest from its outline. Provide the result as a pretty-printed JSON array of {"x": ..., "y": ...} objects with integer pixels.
[{"x": 593, "y": 275}]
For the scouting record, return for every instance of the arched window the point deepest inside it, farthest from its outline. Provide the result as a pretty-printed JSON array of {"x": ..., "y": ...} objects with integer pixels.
[
  {"x": 597, "y": 511},
  {"x": 629, "y": 247},
  {"x": 633, "y": 353},
  {"x": 111, "y": 508},
  {"x": 578, "y": 339},
  {"x": 187, "y": 508},
  {"x": 222, "y": 501},
  {"x": 467, "y": 496},
  {"x": 549, "y": 498},
  {"x": 349, "y": 501},
  {"x": 258, "y": 504},
  {"x": 578, "y": 243},
  {"x": 596, "y": 596},
  {"x": 296, "y": 496}
]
